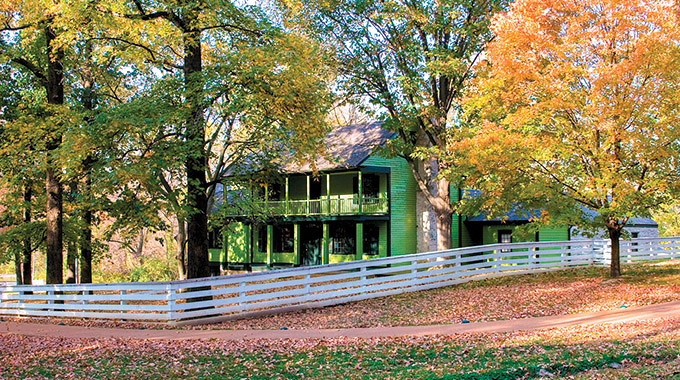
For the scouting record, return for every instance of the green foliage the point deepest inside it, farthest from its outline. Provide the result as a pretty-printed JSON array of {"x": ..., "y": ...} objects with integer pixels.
[
  {"x": 411, "y": 62},
  {"x": 668, "y": 218},
  {"x": 152, "y": 269}
]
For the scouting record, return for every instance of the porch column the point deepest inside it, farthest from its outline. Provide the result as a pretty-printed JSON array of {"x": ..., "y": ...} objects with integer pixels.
[
  {"x": 287, "y": 205},
  {"x": 296, "y": 243},
  {"x": 360, "y": 191},
  {"x": 266, "y": 196},
  {"x": 309, "y": 189},
  {"x": 270, "y": 244},
  {"x": 325, "y": 244},
  {"x": 328, "y": 193},
  {"x": 360, "y": 241}
]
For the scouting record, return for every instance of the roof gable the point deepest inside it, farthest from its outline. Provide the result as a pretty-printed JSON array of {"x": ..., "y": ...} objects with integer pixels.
[{"x": 345, "y": 147}]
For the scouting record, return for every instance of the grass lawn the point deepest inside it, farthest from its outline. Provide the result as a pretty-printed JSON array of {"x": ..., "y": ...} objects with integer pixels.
[{"x": 649, "y": 350}]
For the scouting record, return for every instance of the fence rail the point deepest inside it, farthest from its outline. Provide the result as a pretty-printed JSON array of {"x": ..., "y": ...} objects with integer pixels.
[{"x": 216, "y": 298}]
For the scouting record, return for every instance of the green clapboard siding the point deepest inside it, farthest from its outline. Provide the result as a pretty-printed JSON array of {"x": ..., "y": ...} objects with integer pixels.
[
  {"x": 238, "y": 244},
  {"x": 550, "y": 233},
  {"x": 382, "y": 240},
  {"x": 341, "y": 258},
  {"x": 283, "y": 257},
  {"x": 402, "y": 203}
]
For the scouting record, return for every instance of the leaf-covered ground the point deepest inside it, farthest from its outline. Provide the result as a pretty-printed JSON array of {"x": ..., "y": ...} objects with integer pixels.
[
  {"x": 552, "y": 293},
  {"x": 649, "y": 350}
]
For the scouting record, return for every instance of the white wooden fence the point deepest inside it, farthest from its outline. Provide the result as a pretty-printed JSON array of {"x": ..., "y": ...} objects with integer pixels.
[{"x": 218, "y": 298}]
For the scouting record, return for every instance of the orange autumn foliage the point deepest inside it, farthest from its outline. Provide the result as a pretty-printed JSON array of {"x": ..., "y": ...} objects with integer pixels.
[{"x": 582, "y": 106}]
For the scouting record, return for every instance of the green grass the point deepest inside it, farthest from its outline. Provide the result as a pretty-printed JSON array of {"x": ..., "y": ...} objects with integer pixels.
[{"x": 581, "y": 353}]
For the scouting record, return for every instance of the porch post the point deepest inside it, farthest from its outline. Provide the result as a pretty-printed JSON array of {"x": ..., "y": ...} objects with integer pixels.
[
  {"x": 360, "y": 241},
  {"x": 287, "y": 206},
  {"x": 328, "y": 193},
  {"x": 296, "y": 245},
  {"x": 360, "y": 190},
  {"x": 325, "y": 244},
  {"x": 309, "y": 189},
  {"x": 270, "y": 244}
]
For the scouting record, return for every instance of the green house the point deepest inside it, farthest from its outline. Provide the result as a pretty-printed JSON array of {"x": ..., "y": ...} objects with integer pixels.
[{"x": 352, "y": 204}]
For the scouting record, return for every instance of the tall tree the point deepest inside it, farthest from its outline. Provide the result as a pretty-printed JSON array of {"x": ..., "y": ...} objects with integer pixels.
[
  {"x": 582, "y": 108},
  {"x": 220, "y": 109},
  {"x": 37, "y": 51},
  {"x": 412, "y": 59}
]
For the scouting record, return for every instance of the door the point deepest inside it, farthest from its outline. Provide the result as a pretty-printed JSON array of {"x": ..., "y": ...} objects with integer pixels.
[{"x": 311, "y": 236}]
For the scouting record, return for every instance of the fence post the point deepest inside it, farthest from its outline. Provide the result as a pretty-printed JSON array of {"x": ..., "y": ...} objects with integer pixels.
[
  {"x": 308, "y": 278},
  {"x": 414, "y": 272},
  {"x": 362, "y": 272},
  {"x": 171, "y": 296},
  {"x": 241, "y": 296}
]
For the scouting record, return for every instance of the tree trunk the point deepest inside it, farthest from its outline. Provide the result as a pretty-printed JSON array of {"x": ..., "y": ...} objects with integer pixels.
[
  {"x": 53, "y": 187},
  {"x": 197, "y": 160},
  {"x": 26, "y": 259},
  {"x": 86, "y": 247},
  {"x": 72, "y": 247},
  {"x": 438, "y": 193},
  {"x": 444, "y": 215},
  {"x": 614, "y": 237},
  {"x": 181, "y": 240},
  {"x": 71, "y": 254},
  {"x": 17, "y": 267},
  {"x": 55, "y": 258},
  {"x": 86, "y": 232}
]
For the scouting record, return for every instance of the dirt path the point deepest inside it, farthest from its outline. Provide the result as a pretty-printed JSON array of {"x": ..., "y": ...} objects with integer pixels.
[{"x": 666, "y": 310}]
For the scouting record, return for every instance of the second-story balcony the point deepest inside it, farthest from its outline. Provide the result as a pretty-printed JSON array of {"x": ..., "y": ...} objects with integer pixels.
[{"x": 329, "y": 206}]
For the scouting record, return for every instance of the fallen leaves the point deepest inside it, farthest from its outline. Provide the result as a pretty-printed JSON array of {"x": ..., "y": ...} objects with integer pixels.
[{"x": 563, "y": 351}]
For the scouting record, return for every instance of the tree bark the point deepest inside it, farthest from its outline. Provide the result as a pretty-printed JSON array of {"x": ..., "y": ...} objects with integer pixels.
[
  {"x": 26, "y": 259},
  {"x": 53, "y": 187},
  {"x": 438, "y": 193},
  {"x": 444, "y": 215},
  {"x": 86, "y": 240},
  {"x": 55, "y": 257},
  {"x": 196, "y": 161},
  {"x": 86, "y": 232},
  {"x": 614, "y": 237},
  {"x": 71, "y": 255},
  {"x": 17, "y": 268},
  {"x": 181, "y": 240}
]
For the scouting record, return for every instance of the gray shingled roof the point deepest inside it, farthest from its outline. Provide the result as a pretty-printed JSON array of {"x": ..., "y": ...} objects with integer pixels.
[{"x": 345, "y": 147}]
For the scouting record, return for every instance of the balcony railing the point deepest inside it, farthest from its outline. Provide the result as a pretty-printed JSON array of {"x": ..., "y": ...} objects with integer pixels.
[{"x": 347, "y": 205}]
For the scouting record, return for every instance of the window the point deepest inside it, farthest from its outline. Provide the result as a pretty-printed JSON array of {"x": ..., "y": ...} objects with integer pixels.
[
  {"x": 634, "y": 235},
  {"x": 370, "y": 184},
  {"x": 371, "y": 239},
  {"x": 262, "y": 238},
  {"x": 284, "y": 238},
  {"x": 214, "y": 239},
  {"x": 343, "y": 239},
  {"x": 505, "y": 236}
]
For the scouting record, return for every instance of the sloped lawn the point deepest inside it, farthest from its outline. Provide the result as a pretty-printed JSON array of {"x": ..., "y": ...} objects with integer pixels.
[{"x": 647, "y": 350}]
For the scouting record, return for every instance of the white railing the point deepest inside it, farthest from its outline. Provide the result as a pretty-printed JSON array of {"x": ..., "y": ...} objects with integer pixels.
[{"x": 216, "y": 298}]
